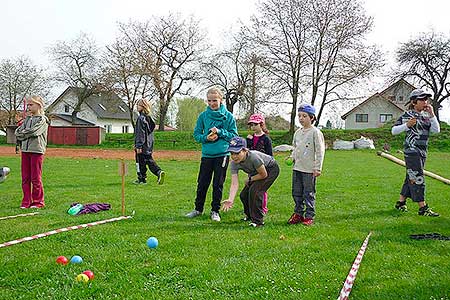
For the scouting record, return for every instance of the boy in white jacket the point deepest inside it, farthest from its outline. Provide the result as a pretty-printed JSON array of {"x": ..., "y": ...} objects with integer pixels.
[{"x": 308, "y": 154}]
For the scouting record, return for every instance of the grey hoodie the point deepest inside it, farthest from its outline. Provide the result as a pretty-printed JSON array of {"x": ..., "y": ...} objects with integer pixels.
[{"x": 33, "y": 134}]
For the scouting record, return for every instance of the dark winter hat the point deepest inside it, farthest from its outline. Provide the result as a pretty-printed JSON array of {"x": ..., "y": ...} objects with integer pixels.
[
  {"x": 237, "y": 144},
  {"x": 307, "y": 108},
  {"x": 419, "y": 94}
]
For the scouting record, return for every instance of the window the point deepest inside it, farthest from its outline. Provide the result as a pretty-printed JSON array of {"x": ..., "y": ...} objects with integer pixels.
[
  {"x": 125, "y": 129},
  {"x": 108, "y": 128},
  {"x": 385, "y": 118},
  {"x": 104, "y": 108},
  {"x": 362, "y": 118},
  {"x": 66, "y": 108}
]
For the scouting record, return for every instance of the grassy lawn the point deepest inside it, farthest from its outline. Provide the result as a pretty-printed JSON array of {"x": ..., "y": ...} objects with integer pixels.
[{"x": 198, "y": 259}]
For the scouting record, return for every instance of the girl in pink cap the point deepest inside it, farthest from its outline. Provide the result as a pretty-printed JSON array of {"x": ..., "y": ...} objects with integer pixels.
[{"x": 259, "y": 141}]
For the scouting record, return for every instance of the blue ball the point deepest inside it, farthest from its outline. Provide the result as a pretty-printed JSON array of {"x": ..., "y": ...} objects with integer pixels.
[
  {"x": 76, "y": 259},
  {"x": 152, "y": 242}
]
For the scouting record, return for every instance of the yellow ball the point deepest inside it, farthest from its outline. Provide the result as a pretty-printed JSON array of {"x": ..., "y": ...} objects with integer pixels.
[{"x": 82, "y": 278}]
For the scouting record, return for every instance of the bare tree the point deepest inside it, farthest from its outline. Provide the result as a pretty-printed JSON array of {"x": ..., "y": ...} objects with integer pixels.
[
  {"x": 337, "y": 55},
  {"x": 427, "y": 58},
  {"x": 229, "y": 70},
  {"x": 19, "y": 78},
  {"x": 127, "y": 68},
  {"x": 279, "y": 33},
  {"x": 78, "y": 66},
  {"x": 176, "y": 45}
]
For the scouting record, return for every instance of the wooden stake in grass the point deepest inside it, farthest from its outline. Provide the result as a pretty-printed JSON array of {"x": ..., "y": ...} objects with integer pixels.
[
  {"x": 402, "y": 163},
  {"x": 123, "y": 171}
]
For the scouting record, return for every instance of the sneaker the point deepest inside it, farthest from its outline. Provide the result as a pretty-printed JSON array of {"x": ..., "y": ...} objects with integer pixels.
[
  {"x": 215, "y": 216},
  {"x": 161, "y": 176},
  {"x": 24, "y": 207},
  {"x": 253, "y": 224},
  {"x": 37, "y": 205},
  {"x": 426, "y": 211},
  {"x": 246, "y": 219},
  {"x": 295, "y": 219},
  {"x": 137, "y": 181},
  {"x": 401, "y": 206},
  {"x": 193, "y": 214},
  {"x": 308, "y": 221}
]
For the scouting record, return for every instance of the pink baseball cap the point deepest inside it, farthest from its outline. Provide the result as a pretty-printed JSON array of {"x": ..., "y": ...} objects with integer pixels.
[{"x": 256, "y": 118}]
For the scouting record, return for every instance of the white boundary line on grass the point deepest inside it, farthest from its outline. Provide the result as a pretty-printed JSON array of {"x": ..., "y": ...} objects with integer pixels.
[
  {"x": 21, "y": 215},
  {"x": 40, "y": 235},
  {"x": 348, "y": 283}
]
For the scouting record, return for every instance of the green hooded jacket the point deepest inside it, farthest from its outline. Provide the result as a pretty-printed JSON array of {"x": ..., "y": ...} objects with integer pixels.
[{"x": 224, "y": 121}]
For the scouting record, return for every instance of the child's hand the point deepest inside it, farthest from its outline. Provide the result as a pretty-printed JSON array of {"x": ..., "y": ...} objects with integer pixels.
[
  {"x": 212, "y": 136},
  {"x": 227, "y": 205},
  {"x": 411, "y": 122},
  {"x": 250, "y": 136},
  {"x": 213, "y": 130},
  {"x": 316, "y": 173},
  {"x": 429, "y": 110}
]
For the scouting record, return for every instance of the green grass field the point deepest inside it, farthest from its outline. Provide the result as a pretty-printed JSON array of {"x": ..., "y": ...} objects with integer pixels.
[{"x": 198, "y": 259}]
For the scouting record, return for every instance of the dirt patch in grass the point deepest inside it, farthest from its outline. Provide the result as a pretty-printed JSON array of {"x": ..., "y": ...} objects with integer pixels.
[{"x": 108, "y": 154}]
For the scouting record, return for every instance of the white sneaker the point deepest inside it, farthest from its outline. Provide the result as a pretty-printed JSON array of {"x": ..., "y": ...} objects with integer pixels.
[
  {"x": 215, "y": 216},
  {"x": 193, "y": 214}
]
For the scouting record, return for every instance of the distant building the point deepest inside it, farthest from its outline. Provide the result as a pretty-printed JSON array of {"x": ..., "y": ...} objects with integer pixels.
[
  {"x": 379, "y": 108},
  {"x": 104, "y": 109}
]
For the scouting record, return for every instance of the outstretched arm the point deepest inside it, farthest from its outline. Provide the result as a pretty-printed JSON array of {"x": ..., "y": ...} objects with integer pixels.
[{"x": 228, "y": 203}]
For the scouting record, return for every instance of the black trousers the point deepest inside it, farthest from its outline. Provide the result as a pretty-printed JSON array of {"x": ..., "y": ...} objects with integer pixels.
[
  {"x": 414, "y": 184},
  {"x": 252, "y": 195},
  {"x": 142, "y": 162},
  {"x": 216, "y": 166}
]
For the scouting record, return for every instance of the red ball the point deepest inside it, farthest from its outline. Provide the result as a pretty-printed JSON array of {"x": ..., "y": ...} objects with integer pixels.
[
  {"x": 62, "y": 260},
  {"x": 89, "y": 274}
]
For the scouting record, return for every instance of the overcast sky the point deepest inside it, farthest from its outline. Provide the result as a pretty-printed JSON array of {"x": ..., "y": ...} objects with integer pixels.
[{"x": 29, "y": 27}]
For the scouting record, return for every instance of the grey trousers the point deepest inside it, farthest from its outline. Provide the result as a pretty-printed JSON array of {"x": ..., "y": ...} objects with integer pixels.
[
  {"x": 304, "y": 193},
  {"x": 252, "y": 195}
]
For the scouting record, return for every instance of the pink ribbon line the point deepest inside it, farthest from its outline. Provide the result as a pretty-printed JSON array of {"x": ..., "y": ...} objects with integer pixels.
[
  {"x": 348, "y": 283},
  {"x": 21, "y": 215},
  {"x": 40, "y": 235}
]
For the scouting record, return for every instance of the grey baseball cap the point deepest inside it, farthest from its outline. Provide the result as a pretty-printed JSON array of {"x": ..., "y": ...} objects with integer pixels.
[{"x": 419, "y": 94}]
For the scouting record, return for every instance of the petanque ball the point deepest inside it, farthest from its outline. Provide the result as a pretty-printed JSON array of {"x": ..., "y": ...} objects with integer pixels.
[
  {"x": 82, "y": 278},
  {"x": 152, "y": 242},
  {"x": 62, "y": 260},
  {"x": 89, "y": 274},
  {"x": 76, "y": 259}
]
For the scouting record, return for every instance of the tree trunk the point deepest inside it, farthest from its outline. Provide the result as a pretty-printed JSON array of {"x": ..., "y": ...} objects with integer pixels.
[
  {"x": 253, "y": 90},
  {"x": 74, "y": 117},
  {"x": 436, "y": 105},
  {"x": 293, "y": 113},
  {"x": 162, "y": 113},
  {"x": 229, "y": 103}
]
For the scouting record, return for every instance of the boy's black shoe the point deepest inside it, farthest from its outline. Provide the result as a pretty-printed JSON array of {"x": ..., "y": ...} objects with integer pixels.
[
  {"x": 401, "y": 206},
  {"x": 139, "y": 181},
  {"x": 426, "y": 211}
]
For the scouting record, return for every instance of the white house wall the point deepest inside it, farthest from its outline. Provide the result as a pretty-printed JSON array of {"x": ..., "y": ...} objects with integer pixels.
[
  {"x": 116, "y": 125},
  {"x": 373, "y": 109},
  {"x": 399, "y": 93},
  {"x": 86, "y": 113}
]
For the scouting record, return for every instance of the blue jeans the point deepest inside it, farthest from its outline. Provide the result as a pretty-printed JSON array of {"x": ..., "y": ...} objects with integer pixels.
[{"x": 304, "y": 193}]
